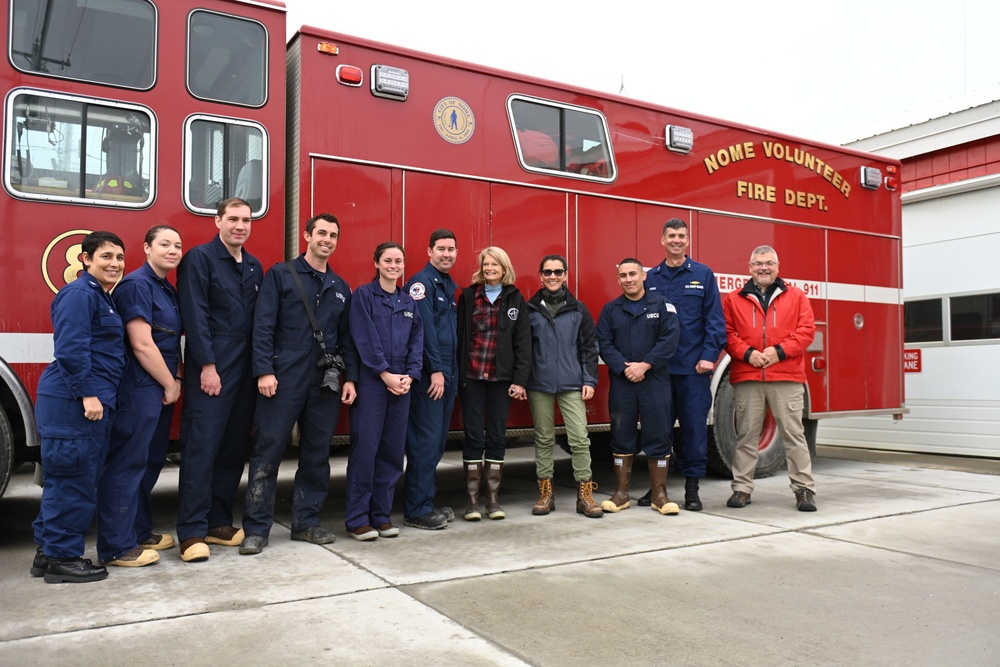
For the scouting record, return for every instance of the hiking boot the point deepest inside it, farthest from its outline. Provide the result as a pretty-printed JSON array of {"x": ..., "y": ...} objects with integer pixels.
[
  {"x": 738, "y": 499},
  {"x": 805, "y": 500},
  {"x": 546, "y": 498},
  {"x": 585, "y": 503}
]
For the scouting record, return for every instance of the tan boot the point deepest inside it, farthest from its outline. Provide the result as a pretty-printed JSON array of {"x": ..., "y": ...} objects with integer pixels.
[
  {"x": 585, "y": 504},
  {"x": 623, "y": 473},
  {"x": 546, "y": 498},
  {"x": 494, "y": 473},
  {"x": 658, "y": 486},
  {"x": 473, "y": 474}
]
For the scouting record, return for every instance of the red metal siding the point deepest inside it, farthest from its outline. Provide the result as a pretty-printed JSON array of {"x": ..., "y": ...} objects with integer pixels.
[{"x": 958, "y": 163}]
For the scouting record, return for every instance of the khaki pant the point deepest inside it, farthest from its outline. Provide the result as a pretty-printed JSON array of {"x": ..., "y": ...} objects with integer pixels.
[
  {"x": 786, "y": 400},
  {"x": 574, "y": 413}
]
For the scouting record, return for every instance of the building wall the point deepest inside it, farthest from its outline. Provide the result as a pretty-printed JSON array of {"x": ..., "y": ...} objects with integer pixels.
[
  {"x": 950, "y": 165},
  {"x": 951, "y": 247}
]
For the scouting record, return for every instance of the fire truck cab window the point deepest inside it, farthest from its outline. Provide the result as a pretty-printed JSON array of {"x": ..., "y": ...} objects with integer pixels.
[
  {"x": 923, "y": 321},
  {"x": 224, "y": 158},
  {"x": 107, "y": 41},
  {"x": 227, "y": 59},
  {"x": 63, "y": 148},
  {"x": 559, "y": 139}
]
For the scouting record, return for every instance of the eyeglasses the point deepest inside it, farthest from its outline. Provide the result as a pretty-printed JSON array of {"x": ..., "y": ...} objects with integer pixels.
[
  {"x": 761, "y": 265},
  {"x": 558, "y": 273}
]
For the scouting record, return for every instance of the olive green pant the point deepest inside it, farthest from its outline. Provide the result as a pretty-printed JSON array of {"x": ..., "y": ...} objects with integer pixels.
[{"x": 574, "y": 414}]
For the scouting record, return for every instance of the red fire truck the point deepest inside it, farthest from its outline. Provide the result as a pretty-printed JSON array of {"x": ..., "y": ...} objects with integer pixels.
[{"x": 126, "y": 113}]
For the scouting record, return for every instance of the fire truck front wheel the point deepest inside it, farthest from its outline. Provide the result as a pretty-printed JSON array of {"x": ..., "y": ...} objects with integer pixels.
[
  {"x": 6, "y": 450},
  {"x": 722, "y": 438}
]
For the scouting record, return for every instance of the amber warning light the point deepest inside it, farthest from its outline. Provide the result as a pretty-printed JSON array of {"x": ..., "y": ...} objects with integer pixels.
[{"x": 329, "y": 48}]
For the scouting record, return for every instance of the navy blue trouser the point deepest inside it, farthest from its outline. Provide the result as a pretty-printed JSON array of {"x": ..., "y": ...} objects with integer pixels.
[
  {"x": 215, "y": 435},
  {"x": 691, "y": 399},
  {"x": 317, "y": 413},
  {"x": 485, "y": 406},
  {"x": 426, "y": 437},
  {"x": 121, "y": 495},
  {"x": 73, "y": 452},
  {"x": 375, "y": 463},
  {"x": 628, "y": 402}
]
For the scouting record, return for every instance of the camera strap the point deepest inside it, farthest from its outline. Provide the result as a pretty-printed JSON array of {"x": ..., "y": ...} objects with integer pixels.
[{"x": 317, "y": 334}]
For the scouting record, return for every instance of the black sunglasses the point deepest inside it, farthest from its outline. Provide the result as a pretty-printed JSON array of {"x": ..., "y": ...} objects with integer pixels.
[{"x": 558, "y": 273}]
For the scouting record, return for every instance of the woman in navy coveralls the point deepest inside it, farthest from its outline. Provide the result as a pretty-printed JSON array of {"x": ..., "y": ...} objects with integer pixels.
[
  {"x": 389, "y": 336},
  {"x": 75, "y": 409},
  {"x": 147, "y": 303}
]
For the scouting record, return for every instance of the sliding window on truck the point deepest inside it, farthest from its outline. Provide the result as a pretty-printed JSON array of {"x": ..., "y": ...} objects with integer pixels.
[
  {"x": 74, "y": 149},
  {"x": 561, "y": 139}
]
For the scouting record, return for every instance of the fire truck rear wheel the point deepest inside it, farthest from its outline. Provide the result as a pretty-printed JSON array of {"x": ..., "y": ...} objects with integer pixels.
[
  {"x": 722, "y": 438},
  {"x": 6, "y": 451}
]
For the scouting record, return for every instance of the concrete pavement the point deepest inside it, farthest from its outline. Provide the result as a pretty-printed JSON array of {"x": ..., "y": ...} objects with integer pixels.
[{"x": 899, "y": 566}]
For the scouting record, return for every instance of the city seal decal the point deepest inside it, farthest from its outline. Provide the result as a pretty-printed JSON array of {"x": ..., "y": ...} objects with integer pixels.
[{"x": 454, "y": 120}]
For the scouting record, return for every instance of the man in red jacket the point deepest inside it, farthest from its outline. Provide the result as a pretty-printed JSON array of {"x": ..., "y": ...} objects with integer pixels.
[{"x": 769, "y": 325}]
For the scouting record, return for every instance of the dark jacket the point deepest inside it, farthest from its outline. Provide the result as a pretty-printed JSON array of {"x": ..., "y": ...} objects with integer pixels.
[
  {"x": 563, "y": 346},
  {"x": 649, "y": 336},
  {"x": 434, "y": 294},
  {"x": 217, "y": 299},
  {"x": 283, "y": 341},
  {"x": 387, "y": 331},
  {"x": 513, "y": 339},
  {"x": 694, "y": 292},
  {"x": 89, "y": 338}
]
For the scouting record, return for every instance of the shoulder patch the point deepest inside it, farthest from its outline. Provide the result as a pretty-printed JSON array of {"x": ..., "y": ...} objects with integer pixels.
[
  {"x": 418, "y": 291},
  {"x": 670, "y": 308}
]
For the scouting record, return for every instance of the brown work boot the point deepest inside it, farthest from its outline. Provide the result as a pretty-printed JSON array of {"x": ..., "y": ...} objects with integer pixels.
[
  {"x": 658, "y": 487},
  {"x": 194, "y": 550},
  {"x": 473, "y": 474},
  {"x": 623, "y": 473},
  {"x": 546, "y": 498},
  {"x": 585, "y": 504},
  {"x": 494, "y": 473},
  {"x": 226, "y": 536}
]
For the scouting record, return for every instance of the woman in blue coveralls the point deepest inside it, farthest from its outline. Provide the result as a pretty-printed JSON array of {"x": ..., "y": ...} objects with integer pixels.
[
  {"x": 389, "y": 336},
  {"x": 75, "y": 409},
  {"x": 147, "y": 303}
]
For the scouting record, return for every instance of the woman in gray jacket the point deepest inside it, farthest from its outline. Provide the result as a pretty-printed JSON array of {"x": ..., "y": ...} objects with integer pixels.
[{"x": 563, "y": 369}]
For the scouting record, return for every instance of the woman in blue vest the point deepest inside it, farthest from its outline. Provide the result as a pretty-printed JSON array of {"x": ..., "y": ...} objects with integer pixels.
[
  {"x": 75, "y": 409},
  {"x": 387, "y": 331},
  {"x": 147, "y": 303}
]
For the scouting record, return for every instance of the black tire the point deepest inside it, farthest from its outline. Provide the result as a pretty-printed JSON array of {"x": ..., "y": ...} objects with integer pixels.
[
  {"x": 6, "y": 451},
  {"x": 722, "y": 438}
]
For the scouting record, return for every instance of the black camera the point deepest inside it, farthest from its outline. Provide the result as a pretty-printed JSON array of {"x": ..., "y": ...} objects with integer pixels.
[{"x": 333, "y": 365}]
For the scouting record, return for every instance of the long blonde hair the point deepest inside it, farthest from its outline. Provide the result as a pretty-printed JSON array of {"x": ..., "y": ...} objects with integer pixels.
[{"x": 502, "y": 259}]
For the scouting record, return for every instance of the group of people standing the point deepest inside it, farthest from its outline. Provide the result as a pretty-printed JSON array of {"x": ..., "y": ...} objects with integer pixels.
[{"x": 290, "y": 346}]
